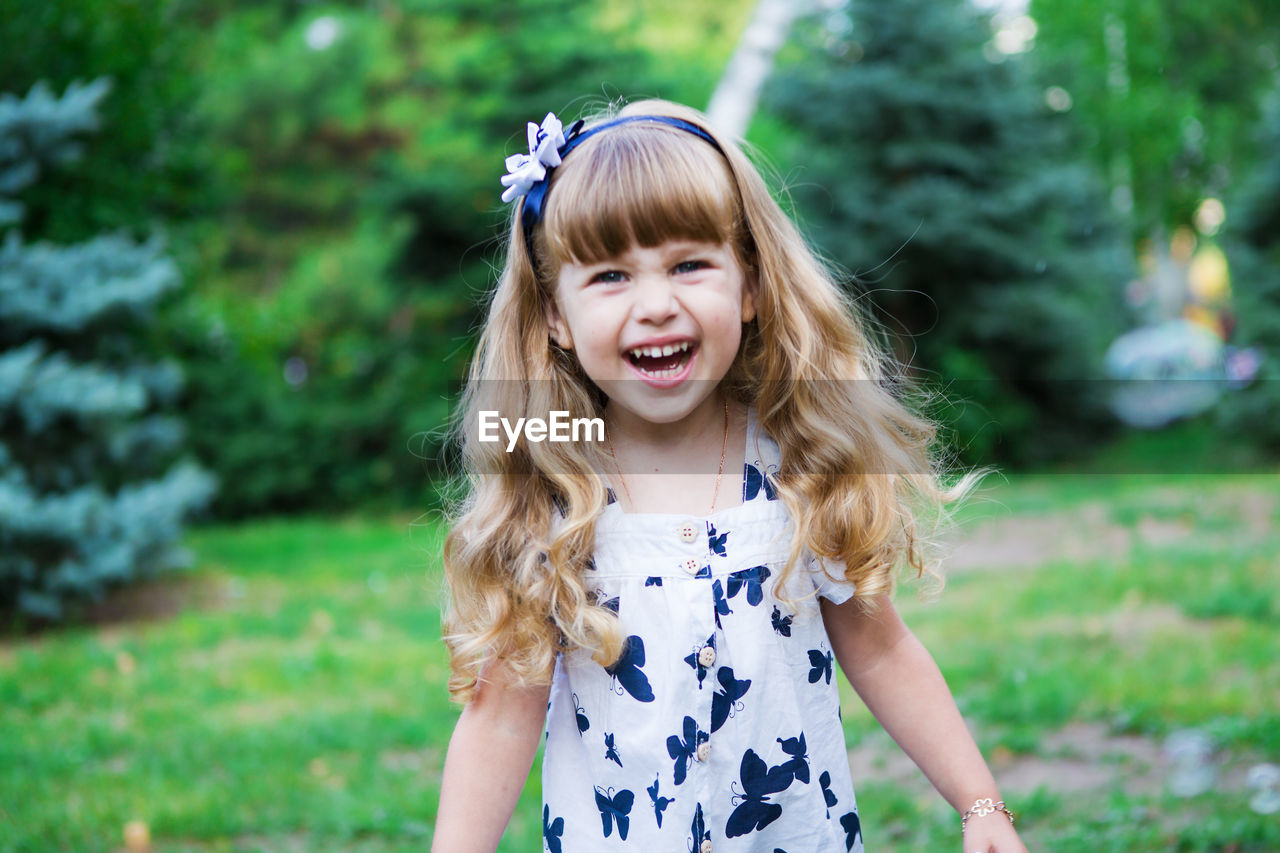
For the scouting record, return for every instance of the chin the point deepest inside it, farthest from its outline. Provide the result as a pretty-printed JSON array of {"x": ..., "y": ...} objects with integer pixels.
[{"x": 656, "y": 409}]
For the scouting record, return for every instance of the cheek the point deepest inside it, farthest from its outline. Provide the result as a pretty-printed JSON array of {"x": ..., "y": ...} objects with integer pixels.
[
  {"x": 597, "y": 342},
  {"x": 733, "y": 332},
  {"x": 728, "y": 321}
]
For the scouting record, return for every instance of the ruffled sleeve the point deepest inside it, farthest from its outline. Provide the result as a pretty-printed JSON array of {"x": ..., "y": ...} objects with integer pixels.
[{"x": 828, "y": 578}]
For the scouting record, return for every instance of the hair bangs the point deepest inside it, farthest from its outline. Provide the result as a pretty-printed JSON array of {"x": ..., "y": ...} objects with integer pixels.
[{"x": 639, "y": 185}]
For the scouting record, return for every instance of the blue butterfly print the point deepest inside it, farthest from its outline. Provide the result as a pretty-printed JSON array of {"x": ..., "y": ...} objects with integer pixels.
[
  {"x": 659, "y": 803},
  {"x": 821, "y": 666},
  {"x": 827, "y": 794},
  {"x": 627, "y": 671},
  {"x": 612, "y": 604},
  {"x": 551, "y": 830},
  {"x": 852, "y": 829},
  {"x": 704, "y": 572},
  {"x": 798, "y": 764},
  {"x": 716, "y": 541},
  {"x": 692, "y": 660},
  {"x": 698, "y": 829},
  {"x": 615, "y": 808},
  {"x": 560, "y": 505},
  {"x": 781, "y": 624},
  {"x": 754, "y": 481},
  {"x": 611, "y": 749},
  {"x": 581, "y": 714},
  {"x": 753, "y": 810},
  {"x": 752, "y": 579},
  {"x": 722, "y": 603},
  {"x": 654, "y": 581},
  {"x": 725, "y": 700},
  {"x": 609, "y": 498},
  {"x": 683, "y": 750}
]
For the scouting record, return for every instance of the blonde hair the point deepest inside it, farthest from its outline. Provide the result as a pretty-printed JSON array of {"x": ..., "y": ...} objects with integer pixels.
[{"x": 857, "y": 475}]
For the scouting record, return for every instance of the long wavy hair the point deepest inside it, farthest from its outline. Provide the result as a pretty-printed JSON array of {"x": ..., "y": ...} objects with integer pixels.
[{"x": 858, "y": 472}]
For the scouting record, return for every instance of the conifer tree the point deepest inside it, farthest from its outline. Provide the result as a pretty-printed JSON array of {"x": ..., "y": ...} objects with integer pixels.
[
  {"x": 936, "y": 173},
  {"x": 90, "y": 493}
]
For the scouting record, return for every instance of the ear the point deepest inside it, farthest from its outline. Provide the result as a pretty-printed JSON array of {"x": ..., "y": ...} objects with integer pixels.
[
  {"x": 559, "y": 328},
  {"x": 749, "y": 284}
]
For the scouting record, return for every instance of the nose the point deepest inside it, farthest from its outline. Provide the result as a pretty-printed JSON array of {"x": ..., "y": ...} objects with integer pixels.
[{"x": 655, "y": 298}]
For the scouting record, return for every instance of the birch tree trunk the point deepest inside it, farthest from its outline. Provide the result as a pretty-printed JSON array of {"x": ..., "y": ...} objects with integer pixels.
[{"x": 734, "y": 100}]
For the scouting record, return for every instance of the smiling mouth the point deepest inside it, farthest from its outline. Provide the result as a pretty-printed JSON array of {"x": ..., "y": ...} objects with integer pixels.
[{"x": 662, "y": 362}]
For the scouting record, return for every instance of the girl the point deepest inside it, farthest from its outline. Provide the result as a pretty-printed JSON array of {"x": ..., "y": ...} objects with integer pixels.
[{"x": 673, "y": 626}]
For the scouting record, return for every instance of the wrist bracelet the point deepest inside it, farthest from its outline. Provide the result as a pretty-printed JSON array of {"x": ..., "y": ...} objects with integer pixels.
[{"x": 982, "y": 808}]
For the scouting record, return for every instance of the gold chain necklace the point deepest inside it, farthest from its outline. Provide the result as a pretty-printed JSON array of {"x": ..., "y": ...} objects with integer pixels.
[{"x": 719, "y": 474}]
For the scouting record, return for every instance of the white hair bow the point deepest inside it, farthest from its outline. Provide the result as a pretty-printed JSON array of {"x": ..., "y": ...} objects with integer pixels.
[{"x": 525, "y": 170}]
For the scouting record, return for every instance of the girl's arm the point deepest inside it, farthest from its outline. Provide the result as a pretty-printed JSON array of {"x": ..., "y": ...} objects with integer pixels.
[
  {"x": 489, "y": 757},
  {"x": 901, "y": 685}
]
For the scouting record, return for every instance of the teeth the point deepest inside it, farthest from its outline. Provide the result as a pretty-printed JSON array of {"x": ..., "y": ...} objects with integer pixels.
[
  {"x": 658, "y": 352},
  {"x": 661, "y": 374}
]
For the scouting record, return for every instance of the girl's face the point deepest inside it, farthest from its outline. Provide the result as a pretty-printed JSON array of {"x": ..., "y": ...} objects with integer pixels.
[{"x": 655, "y": 328}]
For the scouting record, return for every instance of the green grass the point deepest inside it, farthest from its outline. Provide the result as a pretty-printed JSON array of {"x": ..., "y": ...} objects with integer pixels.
[
  {"x": 1193, "y": 446},
  {"x": 296, "y": 700}
]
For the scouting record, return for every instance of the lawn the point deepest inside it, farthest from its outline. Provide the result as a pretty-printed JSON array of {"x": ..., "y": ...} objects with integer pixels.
[{"x": 288, "y": 693}]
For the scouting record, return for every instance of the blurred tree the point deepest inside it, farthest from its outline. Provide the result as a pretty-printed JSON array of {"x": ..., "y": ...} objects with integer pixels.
[
  {"x": 363, "y": 143},
  {"x": 697, "y": 37},
  {"x": 152, "y": 165},
  {"x": 1253, "y": 235},
  {"x": 1166, "y": 91},
  {"x": 940, "y": 178},
  {"x": 738, "y": 90},
  {"x": 88, "y": 495},
  {"x": 342, "y": 163}
]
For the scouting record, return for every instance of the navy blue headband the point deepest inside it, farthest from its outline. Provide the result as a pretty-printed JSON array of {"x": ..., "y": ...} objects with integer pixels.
[{"x": 535, "y": 197}]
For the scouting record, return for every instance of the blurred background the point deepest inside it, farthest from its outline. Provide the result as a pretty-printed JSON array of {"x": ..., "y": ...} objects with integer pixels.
[{"x": 244, "y": 250}]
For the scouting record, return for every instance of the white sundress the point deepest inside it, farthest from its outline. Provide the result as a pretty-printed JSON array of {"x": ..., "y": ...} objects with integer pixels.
[{"x": 719, "y": 728}]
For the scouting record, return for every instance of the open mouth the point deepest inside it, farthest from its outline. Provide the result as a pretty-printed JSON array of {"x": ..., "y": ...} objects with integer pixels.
[{"x": 662, "y": 362}]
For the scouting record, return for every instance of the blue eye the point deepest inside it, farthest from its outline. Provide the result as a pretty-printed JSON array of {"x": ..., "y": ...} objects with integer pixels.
[
  {"x": 690, "y": 266},
  {"x": 608, "y": 277}
]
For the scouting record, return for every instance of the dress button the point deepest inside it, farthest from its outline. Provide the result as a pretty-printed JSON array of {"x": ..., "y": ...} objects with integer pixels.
[
  {"x": 690, "y": 565},
  {"x": 688, "y": 533},
  {"x": 706, "y": 656},
  {"x": 704, "y": 751},
  {"x": 706, "y": 846}
]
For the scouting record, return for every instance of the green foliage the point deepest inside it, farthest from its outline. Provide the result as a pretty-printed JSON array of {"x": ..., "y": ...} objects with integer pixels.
[
  {"x": 1252, "y": 414},
  {"x": 89, "y": 495},
  {"x": 1166, "y": 92},
  {"x": 942, "y": 182},
  {"x": 363, "y": 146},
  {"x": 342, "y": 430},
  {"x": 696, "y": 37},
  {"x": 152, "y": 163}
]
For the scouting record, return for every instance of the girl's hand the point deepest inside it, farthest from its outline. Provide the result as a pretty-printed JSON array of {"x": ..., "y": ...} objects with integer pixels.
[{"x": 992, "y": 834}]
